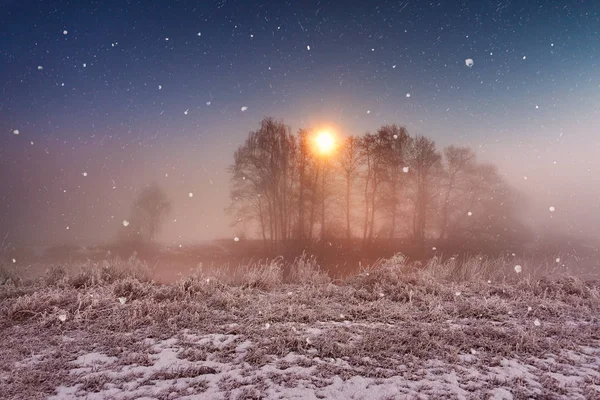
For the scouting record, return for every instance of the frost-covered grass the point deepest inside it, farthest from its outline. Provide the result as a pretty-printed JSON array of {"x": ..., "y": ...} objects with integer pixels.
[{"x": 393, "y": 331}]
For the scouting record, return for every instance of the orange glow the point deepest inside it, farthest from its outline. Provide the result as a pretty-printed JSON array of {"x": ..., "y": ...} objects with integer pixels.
[{"x": 324, "y": 142}]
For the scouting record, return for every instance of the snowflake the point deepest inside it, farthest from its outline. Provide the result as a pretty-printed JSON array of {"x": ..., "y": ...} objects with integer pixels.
[
  {"x": 244, "y": 108},
  {"x": 267, "y": 325},
  {"x": 84, "y": 173},
  {"x": 393, "y": 67},
  {"x": 186, "y": 111},
  {"x": 395, "y": 136},
  {"x": 65, "y": 32},
  {"x": 405, "y": 170},
  {"x": 552, "y": 208},
  {"x": 236, "y": 239},
  {"x": 368, "y": 111},
  {"x": 208, "y": 103},
  {"x": 308, "y": 48},
  {"x": 159, "y": 87},
  {"x": 40, "y": 68},
  {"x": 469, "y": 213},
  {"x": 469, "y": 62},
  {"x": 62, "y": 317},
  {"x": 518, "y": 269},
  {"x": 537, "y": 322},
  {"x": 524, "y": 57},
  {"x": 84, "y": 65},
  {"x": 16, "y": 132},
  {"x": 125, "y": 223},
  {"x": 14, "y": 260},
  {"x": 190, "y": 195},
  {"x": 407, "y": 95},
  {"x": 557, "y": 259},
  {"x": 122, "y": 300},
  {"x": 199, "y": 34},
  {"x": 458, "y": 293}
]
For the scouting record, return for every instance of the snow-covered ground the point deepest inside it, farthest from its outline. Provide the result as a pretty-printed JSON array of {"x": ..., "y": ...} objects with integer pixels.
[{"x": 173, "y": 371}]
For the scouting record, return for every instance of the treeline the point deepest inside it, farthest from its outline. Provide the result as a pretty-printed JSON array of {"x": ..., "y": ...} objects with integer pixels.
[{"x": 388, "y": 184}]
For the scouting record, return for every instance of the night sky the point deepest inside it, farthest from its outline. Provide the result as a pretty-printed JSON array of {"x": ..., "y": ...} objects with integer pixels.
[{"x": 98, "y": 99}]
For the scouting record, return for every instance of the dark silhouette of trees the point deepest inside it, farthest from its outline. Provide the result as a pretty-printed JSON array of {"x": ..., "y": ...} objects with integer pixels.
[
  {"x": 349, "y": 163},
  {"x": 408, "y": 190},
  {"x": 263, "y": 180},
  {"x": 424, "y": 167},
  {"x": 148, "y": 214}
]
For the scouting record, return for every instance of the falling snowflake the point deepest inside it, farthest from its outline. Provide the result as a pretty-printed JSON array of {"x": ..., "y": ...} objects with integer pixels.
[
  {"x": 489, "y": 282},
  {"x": 342, "y": 316},
  {"x": 524, "y": 57},
  {"x": 68, "y": 227},
  {"x": 518, "y": 269},
  {"x": 236, "y": 239},
  {"x": 368, "y": 111},
  {"x": 190, "y": 195},
  {"x": 405, "y": 170},
  {"x": 469, "y": 213},
  {"x": 537, "y": 322},
  {"x": 40, "y": 68},
  {"x": 395, "y": 136},
  {"x": 434, "y": 248},
  {"x": 407, "y": 95},
  {"x": 244, "y": 108},
  {"x": 393, "y": 67},
  {"x": 122, "y": 300},
  {"x": 308, "y": 48},
  {"x": 557, "y": 259},
  {"x": 14, "y": 260},
  {"x": 65, "y": 32},
  {"x": 529, "y": 308},
  {"x": 537, "y": 107},
  {"x": 166, "y": 39},
  {"x": 16, "y": 132},
  {"x": 552, "y": 208},
  {"x": 469, "y": 62},
  {"x": 84, "y": 173},
  {"x": 125, "y": 223},
  {"x": 381, "y": 295},
  {"x": 62, "y": 317},
  {"x": 267, "y": 325},
  {"x": 159, "y": 87},
  {"x": 84, "y": 65},
  {"x": 186, "y": 111},
  {"x": 208, "y": 103},
  {"x": 457, "y": 293}
]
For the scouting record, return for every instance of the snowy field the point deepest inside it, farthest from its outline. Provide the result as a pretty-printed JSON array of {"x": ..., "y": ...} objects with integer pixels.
[{"x": 384, "y": 335}]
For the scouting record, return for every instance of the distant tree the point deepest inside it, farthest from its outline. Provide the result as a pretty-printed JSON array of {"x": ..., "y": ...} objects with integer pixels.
[
  {"x": 459, "y": 163},
  {"x": 148, "y": 214},
  {"x": 424, "y": 167}
]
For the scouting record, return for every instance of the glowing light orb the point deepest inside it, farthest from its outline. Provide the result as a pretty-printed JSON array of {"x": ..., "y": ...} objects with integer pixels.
[{"x": 324, "y": 142}]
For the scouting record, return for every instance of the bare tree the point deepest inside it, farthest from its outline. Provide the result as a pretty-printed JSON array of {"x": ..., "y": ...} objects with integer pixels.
[
  {"x": 147, "y": 214},
  {"x": 425, "y": 165},
  {"x": 348, "y": 163},
  {"x": 393, "y": 143},
  {"x": 459, "y": 164},
  {"x": 263, "y": 179}
]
